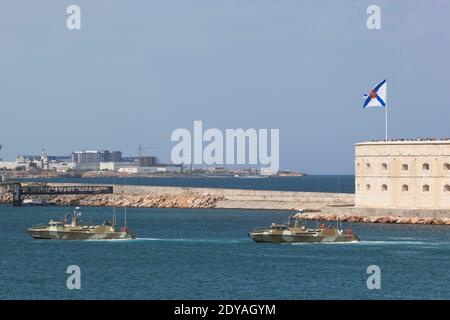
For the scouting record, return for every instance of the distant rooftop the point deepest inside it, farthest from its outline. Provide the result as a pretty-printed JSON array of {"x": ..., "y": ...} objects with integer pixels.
[{"x": 408, "y": 141}]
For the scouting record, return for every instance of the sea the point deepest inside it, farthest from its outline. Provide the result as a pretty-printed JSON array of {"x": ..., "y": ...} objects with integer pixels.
[{"x": 207, "y": 254}]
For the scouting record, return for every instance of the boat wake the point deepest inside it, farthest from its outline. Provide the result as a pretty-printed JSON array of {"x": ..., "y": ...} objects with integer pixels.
[
  {"x": 105, "y": 240},
  {"x": 389, "y": 242},
  {"x": 321, "y": 243},
  {"x": 404, "y": 242},
  {"x": 379, "y": 243},
  {"x": 231, "y": 241}
]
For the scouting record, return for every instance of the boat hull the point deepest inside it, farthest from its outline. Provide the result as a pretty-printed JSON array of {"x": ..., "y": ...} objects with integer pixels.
[
  {"x": 78, "y": 235},
  {"x": 301, "y": 238}
]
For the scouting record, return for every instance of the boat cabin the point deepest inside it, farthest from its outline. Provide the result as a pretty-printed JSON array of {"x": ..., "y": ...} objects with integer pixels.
[{"x": 55, "y": 223}]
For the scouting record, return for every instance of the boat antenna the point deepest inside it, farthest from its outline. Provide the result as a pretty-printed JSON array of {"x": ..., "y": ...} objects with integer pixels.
[
  {"x": 114, "y": 211},
  {"x": 125, "y": 208},
  {"x": 114, "y": 216},
  {"x": 125, "y": 217}
]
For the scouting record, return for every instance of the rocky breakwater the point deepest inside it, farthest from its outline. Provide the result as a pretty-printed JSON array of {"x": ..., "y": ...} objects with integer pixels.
[
  {"x": 374, "y": 219},
  {"x": 135, "y": 201}
]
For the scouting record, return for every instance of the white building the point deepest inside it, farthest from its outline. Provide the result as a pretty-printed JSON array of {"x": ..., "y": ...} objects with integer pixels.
[
  {"x": 5, "y": 165},
  {"x": 114, "y": 166},
  {"x": 136, "y": 170},
  {"x": 62, "y": 166}
]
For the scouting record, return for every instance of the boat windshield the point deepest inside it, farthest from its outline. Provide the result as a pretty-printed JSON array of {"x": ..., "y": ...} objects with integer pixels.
[{"x": 278, "y": 227}]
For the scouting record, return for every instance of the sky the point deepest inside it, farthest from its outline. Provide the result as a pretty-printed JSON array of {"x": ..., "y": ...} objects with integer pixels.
[{"x": 137, "y": 70}]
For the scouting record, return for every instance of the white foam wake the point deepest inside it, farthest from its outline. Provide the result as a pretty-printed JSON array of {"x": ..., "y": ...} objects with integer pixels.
[{"x": 190, "y": 240}]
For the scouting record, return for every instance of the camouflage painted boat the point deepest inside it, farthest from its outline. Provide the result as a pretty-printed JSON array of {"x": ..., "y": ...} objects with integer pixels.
[
  {"x": 62, "y": 230},
  {"x": 296, "y": 231}
]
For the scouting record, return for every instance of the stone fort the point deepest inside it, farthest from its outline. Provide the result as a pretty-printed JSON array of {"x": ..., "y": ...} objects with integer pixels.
[{"x": 403, "y": 174}]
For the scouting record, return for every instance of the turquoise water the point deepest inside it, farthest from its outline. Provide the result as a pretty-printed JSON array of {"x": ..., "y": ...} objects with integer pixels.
[
  {"x": 206, "y": 254},
  {"x": 314, "y": 183}
]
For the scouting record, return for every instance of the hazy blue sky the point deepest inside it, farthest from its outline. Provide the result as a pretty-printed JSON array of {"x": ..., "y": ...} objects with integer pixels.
[{"x": 137, "y": 70}]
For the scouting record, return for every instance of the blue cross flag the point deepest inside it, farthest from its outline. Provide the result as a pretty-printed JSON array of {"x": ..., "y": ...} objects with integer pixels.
[{"x": 376, "y": 96}]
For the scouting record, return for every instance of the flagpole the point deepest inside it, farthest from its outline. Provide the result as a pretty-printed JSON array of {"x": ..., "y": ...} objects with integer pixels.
[
  {"x": 385, "y": 116},
  {"x": 385, "y": 123}
]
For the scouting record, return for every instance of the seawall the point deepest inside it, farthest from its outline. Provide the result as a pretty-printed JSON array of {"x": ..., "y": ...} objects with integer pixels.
[{"x": 246, "y": 199}]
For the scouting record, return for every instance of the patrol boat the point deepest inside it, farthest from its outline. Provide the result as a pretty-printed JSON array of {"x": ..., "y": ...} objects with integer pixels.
[
  {"x": 63, "y": 230},
  {"x": 296, "y": 231}
]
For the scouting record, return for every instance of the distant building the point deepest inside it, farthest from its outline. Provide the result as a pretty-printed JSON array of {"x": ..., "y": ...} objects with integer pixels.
[
  {"x": 44, "y": 161},
  {"x": 147, "y": 161},
  {"x": 403, "y": 174},
  {"x": 117, "y": 165},
  {"x": 115, "y": 156},
  {"x": 62, "y": 166},
  {"x": 96, "y": 156},
  {"x": 27, "y": 158},
  {"x": 60, "y": 158},
  {"x": 87, "y": 166},
  {"x": 5, "y": 165},
  {"x": 130, "y": 159},
  {"x": 166, "y": 169},
  {"x": 87, "y": 157}
]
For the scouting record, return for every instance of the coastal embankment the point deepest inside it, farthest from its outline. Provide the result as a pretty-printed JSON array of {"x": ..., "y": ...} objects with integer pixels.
[
  {"x": 360, "y": 215},
  {"x": 318, "y": 205},
  {"x": 186, "y": 197}
]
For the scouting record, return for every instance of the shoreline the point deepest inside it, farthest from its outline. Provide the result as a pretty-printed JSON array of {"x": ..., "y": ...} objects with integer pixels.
[{"x": 127, "y": 200}]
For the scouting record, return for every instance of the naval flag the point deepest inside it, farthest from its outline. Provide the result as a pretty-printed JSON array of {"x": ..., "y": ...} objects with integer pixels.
[{"x": 376, "y": 96}]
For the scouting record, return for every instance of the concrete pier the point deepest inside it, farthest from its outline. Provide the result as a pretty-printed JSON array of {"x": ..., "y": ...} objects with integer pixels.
[{"x": 248, "y": 199}]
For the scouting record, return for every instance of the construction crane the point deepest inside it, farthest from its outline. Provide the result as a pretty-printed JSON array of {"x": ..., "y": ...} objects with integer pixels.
[{"x": 2, "y": 173}]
